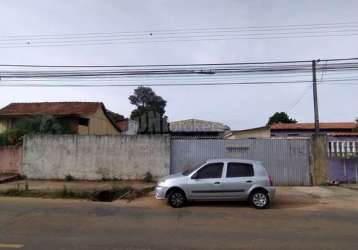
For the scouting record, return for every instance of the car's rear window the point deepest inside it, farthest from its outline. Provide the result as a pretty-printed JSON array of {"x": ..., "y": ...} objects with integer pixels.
[{"x": 237, "y": 169}]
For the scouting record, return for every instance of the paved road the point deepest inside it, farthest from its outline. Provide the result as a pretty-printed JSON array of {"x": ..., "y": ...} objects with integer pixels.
[{"x": 64, "y": 224}]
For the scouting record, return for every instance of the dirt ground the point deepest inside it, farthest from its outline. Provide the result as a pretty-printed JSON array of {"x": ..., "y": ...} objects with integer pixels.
[
  {"x": 304, "y": 198},
  {"x": 301, "y": 198}
]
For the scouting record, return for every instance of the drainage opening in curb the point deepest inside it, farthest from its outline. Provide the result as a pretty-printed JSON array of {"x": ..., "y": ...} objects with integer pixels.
[{"x": 105, "y": 196}]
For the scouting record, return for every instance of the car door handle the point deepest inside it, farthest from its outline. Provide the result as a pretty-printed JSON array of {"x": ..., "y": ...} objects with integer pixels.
[
  {"x": 217, "y": 183},
  {"x": 249, "y": 181}
]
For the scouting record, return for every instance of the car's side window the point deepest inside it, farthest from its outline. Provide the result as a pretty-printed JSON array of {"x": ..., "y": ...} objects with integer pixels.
[
  {"x": 237, "y": 169},
  {"x": 211, "y": 170}
]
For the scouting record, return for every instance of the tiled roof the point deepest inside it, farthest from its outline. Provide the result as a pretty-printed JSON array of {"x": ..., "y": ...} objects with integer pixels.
[
  {"x": 50, "y": 108},
  {"x": 194, "y": 125},
  {"x": 344, "y": 134},
  {"x": 122, "y": 124},
  {"x": 310, "y": 126},
  {"x": 251, "y": 129}
]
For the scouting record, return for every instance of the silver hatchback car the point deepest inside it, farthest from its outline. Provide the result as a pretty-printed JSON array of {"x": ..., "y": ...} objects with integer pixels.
[{"x": 219, "y": 179}]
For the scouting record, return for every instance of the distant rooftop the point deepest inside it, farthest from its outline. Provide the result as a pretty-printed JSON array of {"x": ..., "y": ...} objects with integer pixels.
[
  {"x": 195, "y": 125},
  {"x": 310, "y": 126},
  {"x": 344, "y": 134},
  {"x": 50, "y": 108}
]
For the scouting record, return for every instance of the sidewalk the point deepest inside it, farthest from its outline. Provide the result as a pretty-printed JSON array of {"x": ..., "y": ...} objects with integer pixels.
[
  {"x": 44, "y": 185},
  {"x": 350, "y": 186}
]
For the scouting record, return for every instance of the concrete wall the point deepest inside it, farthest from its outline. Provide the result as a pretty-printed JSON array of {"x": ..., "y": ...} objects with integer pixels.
[
  {"x": 319, "y": 159},
  {"x": 10, "y": 159},
  {"x": 96, "y": 157}
]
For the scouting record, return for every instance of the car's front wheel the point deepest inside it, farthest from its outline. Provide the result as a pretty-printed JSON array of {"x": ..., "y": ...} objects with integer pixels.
[
  {"x": 176, "y": 199},
  {"x": 259, "y": 199}
]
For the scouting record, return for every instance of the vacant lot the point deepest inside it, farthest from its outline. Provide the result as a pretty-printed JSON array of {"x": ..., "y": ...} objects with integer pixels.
[{"x": 301, "y": 218}]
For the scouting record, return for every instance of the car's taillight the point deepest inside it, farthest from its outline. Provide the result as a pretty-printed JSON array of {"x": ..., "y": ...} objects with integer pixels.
[{"x": 270, "y": 179}]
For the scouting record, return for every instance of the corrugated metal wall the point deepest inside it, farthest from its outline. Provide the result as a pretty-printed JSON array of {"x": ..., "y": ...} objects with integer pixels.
[{"x": 286, "y": 160}]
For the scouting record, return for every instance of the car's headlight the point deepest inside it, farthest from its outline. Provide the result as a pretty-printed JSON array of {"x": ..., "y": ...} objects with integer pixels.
[{"x": 161, "y": 183}]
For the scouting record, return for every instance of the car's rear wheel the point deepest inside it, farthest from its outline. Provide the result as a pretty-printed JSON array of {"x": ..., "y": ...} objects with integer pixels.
[
  {"x": 176, "y": 199},
  {"x": 259, "y": 199}
]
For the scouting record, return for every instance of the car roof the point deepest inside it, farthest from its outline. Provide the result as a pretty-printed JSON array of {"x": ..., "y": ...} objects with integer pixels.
[{"x": 232, "y": 160}]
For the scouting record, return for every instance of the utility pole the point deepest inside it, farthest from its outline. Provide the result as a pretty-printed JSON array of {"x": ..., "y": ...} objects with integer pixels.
[{"x": 315, "y": 99}]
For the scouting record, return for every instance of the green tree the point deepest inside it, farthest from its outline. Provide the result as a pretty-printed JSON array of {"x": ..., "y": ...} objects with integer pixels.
[
  {"x": 149, "y": 112},
  {"x": 115, "y": 117},
  {"x": 280, "y": 117},
  {"x": 34, "y": 125}
]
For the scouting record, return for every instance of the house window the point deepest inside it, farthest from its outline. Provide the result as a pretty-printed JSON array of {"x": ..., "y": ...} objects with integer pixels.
[
  {"x": 293, "y": 134},
  {"x": 83, "y": 121}
]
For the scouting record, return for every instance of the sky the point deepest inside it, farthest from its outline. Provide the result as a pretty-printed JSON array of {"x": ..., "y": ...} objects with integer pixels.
[{"x": 239, "y": 107}]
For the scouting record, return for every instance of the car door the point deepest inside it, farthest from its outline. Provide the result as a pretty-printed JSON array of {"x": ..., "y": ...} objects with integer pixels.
[
  {"x": 206, "y": 183},
  {"x": 239, "y": 178}
]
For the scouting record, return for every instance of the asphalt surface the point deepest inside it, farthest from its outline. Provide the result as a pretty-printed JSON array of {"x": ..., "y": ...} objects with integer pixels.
[{"x": 40, "y": 224}]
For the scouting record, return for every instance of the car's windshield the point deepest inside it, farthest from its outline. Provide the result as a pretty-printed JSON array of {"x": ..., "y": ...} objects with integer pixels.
[{"x": 189, "y": 171}]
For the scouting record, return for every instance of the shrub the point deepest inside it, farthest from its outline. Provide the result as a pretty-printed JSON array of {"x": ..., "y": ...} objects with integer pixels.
[
  {"x": 34, "y": 125},
  {"x": 148, "y": 177},
  {"x": 69, "y": 178}
]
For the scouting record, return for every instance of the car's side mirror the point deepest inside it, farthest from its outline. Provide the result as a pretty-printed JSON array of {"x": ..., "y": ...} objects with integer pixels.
[{"x": 194, "y": 176}]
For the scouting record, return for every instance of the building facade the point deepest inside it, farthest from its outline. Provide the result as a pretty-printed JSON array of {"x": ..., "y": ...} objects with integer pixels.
[
  {"x": 84, "y": 118},
  {"x": 128, "y": 126},
  {"x": 307, "y": 129},
  {"x": 195, "y": 128},
  {"x": 254, "y": 133}
]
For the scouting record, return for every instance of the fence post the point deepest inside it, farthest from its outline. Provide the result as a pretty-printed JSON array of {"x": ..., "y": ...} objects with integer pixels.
[
  {"x": 320, "y": 159},
  {"x": 345, "y": 170}
]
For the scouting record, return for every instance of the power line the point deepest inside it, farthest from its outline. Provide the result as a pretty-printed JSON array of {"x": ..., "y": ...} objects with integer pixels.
[
  {"x": 306, "y": 90},
  {"x": 177, "y": 79},
  {"x": 180, "y": 70},
  {"x": 161, "y": 65},
  {"x": 180, "y": 35},
  {"x": 206, "y": 29},
  {"x": 175, "y": 65},
  {"x": 314, "y": 30},
  {"x": 119, "y": 41},
  {"x": 331, "y": 81},
  {"x": 197, "y": 34},
  {"x": 193, "y": 72}
]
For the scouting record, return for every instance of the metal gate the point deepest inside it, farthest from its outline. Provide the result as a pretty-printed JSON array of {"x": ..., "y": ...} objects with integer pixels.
[
  {"x": 343, "y": 160},
  {"x": 286, "y": 160}
]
